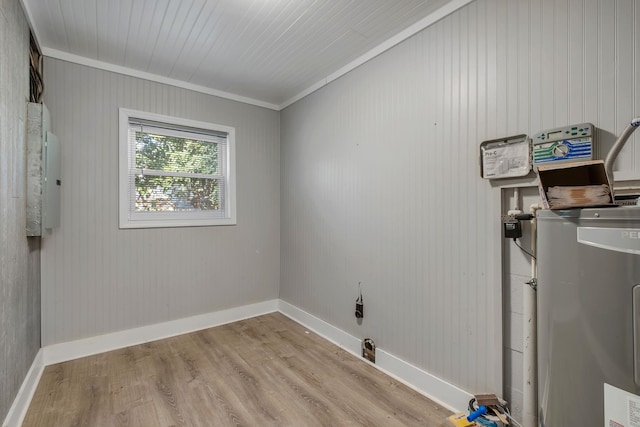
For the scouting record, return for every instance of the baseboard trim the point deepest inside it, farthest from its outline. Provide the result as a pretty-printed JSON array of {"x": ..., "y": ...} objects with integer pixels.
[
  {"x": 440, "y": 391},
  {"x": 66, "y": 351},
  {"x": 436, "y": 389},
  {"x": 325, "y": 330},
  {"x": 18, "y": 409}
]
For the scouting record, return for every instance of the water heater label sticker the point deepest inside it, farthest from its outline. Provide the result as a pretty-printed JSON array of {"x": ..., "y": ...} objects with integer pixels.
[
  {"x": 634, "y": 412},
  {"x": 621, "y": 408}
]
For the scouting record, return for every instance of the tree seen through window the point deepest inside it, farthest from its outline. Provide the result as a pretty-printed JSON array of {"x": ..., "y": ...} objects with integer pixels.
[{"x": 177, "y": 174}]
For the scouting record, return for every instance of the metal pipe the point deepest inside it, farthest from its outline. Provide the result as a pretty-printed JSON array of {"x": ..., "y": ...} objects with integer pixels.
[{"x": 530, "y": 347}]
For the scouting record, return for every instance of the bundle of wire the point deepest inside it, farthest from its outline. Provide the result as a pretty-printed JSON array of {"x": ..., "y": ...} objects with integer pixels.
[{"x": 490, "y": 420}]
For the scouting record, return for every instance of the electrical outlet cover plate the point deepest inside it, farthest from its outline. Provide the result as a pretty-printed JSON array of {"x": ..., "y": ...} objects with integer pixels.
[{"x": 369, "y": 350}]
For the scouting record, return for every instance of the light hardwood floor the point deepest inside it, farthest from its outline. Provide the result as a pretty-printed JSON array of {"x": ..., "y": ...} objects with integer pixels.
[{"x": 264, "y": 371}]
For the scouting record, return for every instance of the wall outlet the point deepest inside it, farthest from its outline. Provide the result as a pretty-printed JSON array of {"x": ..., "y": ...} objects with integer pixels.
[{"x": 369, "y": 350}]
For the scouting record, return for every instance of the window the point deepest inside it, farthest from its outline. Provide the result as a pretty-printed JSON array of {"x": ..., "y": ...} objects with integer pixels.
[{"x": 175, "y": 172}]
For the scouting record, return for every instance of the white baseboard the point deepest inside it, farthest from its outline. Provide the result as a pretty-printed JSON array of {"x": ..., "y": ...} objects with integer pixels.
[
  {"x": 436, "y": 389},
  {"x": 63, "y": 352},
  {"x": 325, "y": 330},
  {"x": 440, "y": 391},
  {"x": 66, "y": 351},
  {"x": 18, "y": 409}
]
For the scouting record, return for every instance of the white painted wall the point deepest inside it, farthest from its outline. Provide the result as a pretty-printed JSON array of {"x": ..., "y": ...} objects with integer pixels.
[
  {"x": 380, "y": 175},
  {"x": 97, "y": 279}
]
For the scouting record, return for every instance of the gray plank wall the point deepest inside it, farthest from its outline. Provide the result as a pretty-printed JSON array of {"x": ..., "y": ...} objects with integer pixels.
[
  {"x": 19, "y": 256},
  {"x": 99, "y": 279},
  {"x": 516, "y": 271},
  {"x": 380, "y": 175}
]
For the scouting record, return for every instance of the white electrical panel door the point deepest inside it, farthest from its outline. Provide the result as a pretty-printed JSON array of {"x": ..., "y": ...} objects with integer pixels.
[
  {"x": 43, "y": 172},
  {"x": 52, "y": 182}
]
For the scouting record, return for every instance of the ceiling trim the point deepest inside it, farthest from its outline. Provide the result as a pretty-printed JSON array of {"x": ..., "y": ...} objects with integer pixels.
[
  {"x": 381, "y": 48},
  {"x": 69, "y": 57},
  {"x": 440, "y": 13}
]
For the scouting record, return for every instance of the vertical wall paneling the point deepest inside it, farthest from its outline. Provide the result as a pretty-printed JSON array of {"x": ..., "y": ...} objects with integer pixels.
[
  {"x": 410, "y": 135},
  {"x": 533, "y": 13},
  {"x": 624, "y": 87},
  {"x": 380, "y": 180},
  {"x": 468, "y": 90},
  {"x": 590, "y": 62},
  {"x": 547, "y": 57},
  {"x": 606, "y": 51},
  {"x": 516, "y": 271},
  {"x": 511, "y": 69},
  {"x": 523, "y": 73},
  {"x": 99, "y": 279},
  {"x": 19, "y": 255},
  {"x": 635, "y": 31},
  {"x": 576, "y": 59}
]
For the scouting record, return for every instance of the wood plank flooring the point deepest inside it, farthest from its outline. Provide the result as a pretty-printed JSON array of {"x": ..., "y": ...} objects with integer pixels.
[{"x": 264, "y": 371}]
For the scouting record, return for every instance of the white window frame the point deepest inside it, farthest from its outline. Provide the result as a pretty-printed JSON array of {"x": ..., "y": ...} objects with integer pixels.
[{"x": 129, "y": 218}]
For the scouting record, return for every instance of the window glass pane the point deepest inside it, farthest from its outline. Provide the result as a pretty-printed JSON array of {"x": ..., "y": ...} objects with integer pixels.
[
  {"x": 168, "y": 193},
  {"x": 173, "y": 154},
  {"x": 175, "y": 172}
]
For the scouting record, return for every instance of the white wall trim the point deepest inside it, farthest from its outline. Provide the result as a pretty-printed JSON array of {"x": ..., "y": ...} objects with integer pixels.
[
  {"x": 325, "y": 330},
  {"x": 445, "y": 10},
  {"x": 436, "y": 389},
  {"x": 437, "y": 15},
  {"x": 77, "y": 59},
  {"x": 63, "y": 352},
  {"x": 18, "y": 409},
  {"x": 440, "y": 391}
]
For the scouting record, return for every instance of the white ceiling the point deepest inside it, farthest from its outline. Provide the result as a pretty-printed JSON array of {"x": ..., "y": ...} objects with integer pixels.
[{"x": 268, "y": 52}]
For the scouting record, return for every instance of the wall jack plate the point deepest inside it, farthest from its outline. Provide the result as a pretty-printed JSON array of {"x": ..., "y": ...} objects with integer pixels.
[{"x": 369, "y": 350}]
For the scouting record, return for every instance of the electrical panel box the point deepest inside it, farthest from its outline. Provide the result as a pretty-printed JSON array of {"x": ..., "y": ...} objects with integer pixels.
[
  {"x": 564, "y": 144},
  {"x": 43, "y": 172}
]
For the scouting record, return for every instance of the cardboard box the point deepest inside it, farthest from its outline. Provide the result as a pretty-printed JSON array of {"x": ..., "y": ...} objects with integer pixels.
[
  {"x": 459, "y": 420},
  {"x": 587, "y": 173}
]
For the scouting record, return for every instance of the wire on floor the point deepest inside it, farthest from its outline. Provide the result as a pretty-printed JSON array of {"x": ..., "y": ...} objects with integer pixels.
[{"x": 513, "y": 421}]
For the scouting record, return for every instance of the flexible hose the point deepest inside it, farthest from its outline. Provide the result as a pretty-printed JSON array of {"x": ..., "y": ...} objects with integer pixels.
[{"x": 615, "y": 150}]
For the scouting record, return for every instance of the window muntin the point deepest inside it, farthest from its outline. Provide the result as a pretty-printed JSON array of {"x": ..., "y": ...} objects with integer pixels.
[{"x": 178, "y": 172}]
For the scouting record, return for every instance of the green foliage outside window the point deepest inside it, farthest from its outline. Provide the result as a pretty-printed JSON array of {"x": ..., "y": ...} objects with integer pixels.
[{"x": 156, "y": 154}]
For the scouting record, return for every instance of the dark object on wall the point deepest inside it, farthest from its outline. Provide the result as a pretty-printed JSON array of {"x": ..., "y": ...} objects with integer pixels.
[
  {"x": 36, "y": 84},
  {"x": 359, "y": 308},
  {"x": 369, "y": 350}
]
